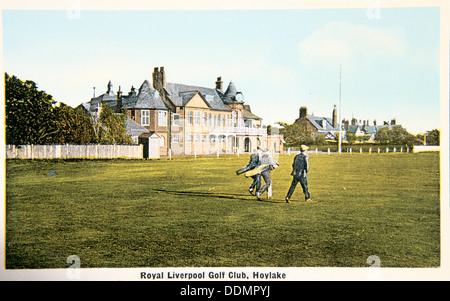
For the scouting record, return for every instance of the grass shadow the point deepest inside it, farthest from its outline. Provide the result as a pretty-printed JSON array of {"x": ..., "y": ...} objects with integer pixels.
[
  {"x": 203, "y": 194},
  {"x": 219, "y": 195}
]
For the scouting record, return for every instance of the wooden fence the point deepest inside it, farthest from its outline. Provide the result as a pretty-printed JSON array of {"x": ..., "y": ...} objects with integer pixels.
[{"x": 66, "y": 151}]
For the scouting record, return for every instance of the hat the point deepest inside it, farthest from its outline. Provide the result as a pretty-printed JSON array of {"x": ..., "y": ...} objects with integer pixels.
[{"x": 303, "y": 148}]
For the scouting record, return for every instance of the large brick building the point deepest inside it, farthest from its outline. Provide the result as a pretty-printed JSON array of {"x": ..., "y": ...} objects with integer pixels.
[{"x": 177, "y": 119}]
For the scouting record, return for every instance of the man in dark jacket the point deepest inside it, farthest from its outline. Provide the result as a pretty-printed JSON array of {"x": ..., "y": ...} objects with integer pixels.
[{"x": 300, "y": 168}]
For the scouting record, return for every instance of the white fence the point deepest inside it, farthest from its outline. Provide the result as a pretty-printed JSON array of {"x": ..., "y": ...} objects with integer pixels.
[
  {"x": 426, "y": 148},
  {"x": 66, "y": 151}
]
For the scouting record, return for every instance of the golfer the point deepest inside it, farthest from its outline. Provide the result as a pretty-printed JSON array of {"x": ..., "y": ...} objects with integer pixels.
[
  {"x": 267, "y": 164},
  {"x": 300, "y": 168},
  {"x": 252, "y": 164}
]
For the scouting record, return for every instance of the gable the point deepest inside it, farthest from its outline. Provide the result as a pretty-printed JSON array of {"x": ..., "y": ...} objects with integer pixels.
[{"x": 197, "y": 102}]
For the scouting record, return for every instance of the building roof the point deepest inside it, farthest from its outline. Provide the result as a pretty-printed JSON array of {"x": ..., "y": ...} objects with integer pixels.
[
  {"x": 247, "y": 113},
  {"x": 148, "y": 98},
  {"x": 322, "y": 123},
  {"x": 178, "y": 91},
  {"x": 133, "y": 128}
]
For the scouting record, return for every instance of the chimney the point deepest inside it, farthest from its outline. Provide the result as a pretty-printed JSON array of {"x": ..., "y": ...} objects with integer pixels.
[
  {"x": 335, "y": 117},
  {"x": 375, "y": 122},
  {"x": 155, "y": 76},
  {"x": 110, "y": 89},
  {"x": 119, "y": 101},
  {"x": 303, "y": 112},
  {"x": 354, "y": 121},
  {"x": 346, "y": 124},
  {"x": 159, "y": 78},
  {"x": 393, "y": 121},
  {"x": 163, "y": 76},
  {"x": 219, "y": 83}
]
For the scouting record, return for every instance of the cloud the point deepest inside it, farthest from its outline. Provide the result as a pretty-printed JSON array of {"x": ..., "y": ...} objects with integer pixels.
[{"x": 349, "y": 44}]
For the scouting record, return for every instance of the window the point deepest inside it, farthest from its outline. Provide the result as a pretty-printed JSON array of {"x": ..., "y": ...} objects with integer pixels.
[
  {"x": 209, "y": 120},
  {"x": 197, "y": 118},
  {"x": 190, "y": 118},
  {"x": 145, "y": 117},
  {"x": 176, "y": 138},
  {"x": 204, "y": 138},
  {"x": 223, "y": 120},
  {"x": 197, "y": 138},
  {"x": 176, "y": 119},
  {"x": 205, "y": 119},
  {"x": 189, "y": 138},
  {"x": 162, "y": 118}
]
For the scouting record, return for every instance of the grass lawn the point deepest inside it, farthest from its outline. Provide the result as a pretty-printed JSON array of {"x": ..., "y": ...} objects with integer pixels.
[{"x": 190, "y": 212}]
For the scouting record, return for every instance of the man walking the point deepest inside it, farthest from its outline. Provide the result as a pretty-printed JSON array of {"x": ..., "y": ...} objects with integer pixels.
[
  {"x": 267, "y": 164},
  {"x": 252, "y": 164},
  {"x": 300, "y": 168}
]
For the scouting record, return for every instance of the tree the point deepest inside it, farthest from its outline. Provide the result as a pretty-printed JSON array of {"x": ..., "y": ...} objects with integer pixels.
[
  {"x": 73, "y": 125},
  {"x": 433, "y": 137},
  {"x": 383, "y": 135},
  {"x": 398, "y": 135},
  {"x": 112, "y": 127},
  {"x": 351, "y": 137},
  {"x": 296, "y": 134},
  {"x": 320, "y": 140},
  {"x": 28, "y": 114}
]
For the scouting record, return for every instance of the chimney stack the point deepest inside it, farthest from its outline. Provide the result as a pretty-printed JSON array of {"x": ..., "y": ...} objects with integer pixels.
[
  {"x": 335, "y": 117},
  {"x": 163, "y": 76},
  {"x": 303, "y": 112},
  {"x": 219, "y": 84},
  {"x": 159, "y": 78},
  {"x": 119, "y": 101},
  {"x": 346, "y": 124}
]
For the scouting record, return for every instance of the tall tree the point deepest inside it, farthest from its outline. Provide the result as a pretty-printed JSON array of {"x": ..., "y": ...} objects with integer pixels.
[
  {"x": 74, "y": 125},
  {"x": 28, "y": 113},
  {"x": 112, "y": 127}
]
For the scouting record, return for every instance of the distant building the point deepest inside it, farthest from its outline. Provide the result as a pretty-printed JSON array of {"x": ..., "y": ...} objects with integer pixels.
[
  {"x": 177, "y": 119},
  {"x": 320, "y": 125},
  {"x": 329, "y": 127}
]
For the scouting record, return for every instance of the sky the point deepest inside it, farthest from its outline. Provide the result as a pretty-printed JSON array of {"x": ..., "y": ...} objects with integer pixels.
[{"x": 373, "y": 64}]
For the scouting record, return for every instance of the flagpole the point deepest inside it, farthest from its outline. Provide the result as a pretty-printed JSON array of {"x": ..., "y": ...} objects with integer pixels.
[{"x": 340, "y": 117}]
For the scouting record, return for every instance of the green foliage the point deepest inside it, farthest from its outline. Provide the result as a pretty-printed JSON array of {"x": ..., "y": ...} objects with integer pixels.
[
  {"x": 112, "y": 127},
  {"x": 296, "y": 134},
  {"x": 32, "y": 118},
  {"x": 434, "y": 137},
  {"x": 396, "y": 135},
  {"x": 74, "y": 125},
  {"x": 28, "y": 114},
  {"x": 320, "y": 140},
  {"x": 351, "y": 137}
]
